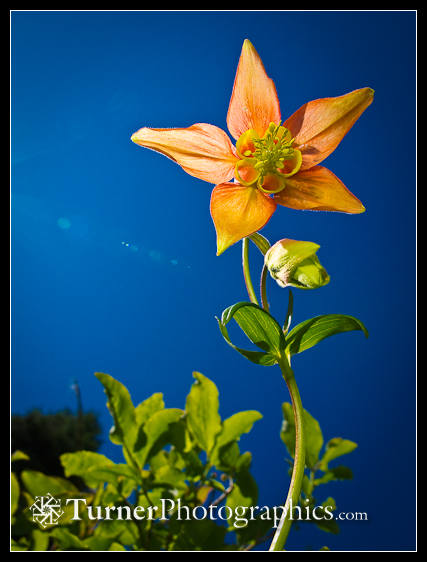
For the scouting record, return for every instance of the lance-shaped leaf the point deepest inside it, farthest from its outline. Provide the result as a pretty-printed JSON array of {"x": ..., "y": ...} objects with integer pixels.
[
  {"x": 156, "y": 433},
  {"x": 336, "y": 447},
  {"x": 312, "y": 435},
  {"x": 148, "y": 407},
  {"x": 95, "y": 468},
  {"x": 337, "y": 473},
  {"x": 261, "y": 242},
  {"x": 261, "y": 329},
  {"x": 19, "y": 456},
  {"x": 14, "y": 493},
  {"x": 39, "y": 484},
  {"x": 244, "y": 492},
  {"x": 237, "y": 424},
  {"x": 312, "y": 331},
  {"x": 202, "y": 406},
  {"x": 232, "y": 428},
  {"x": 328, "y": 525},
  {"x": 122, "y": 410}
]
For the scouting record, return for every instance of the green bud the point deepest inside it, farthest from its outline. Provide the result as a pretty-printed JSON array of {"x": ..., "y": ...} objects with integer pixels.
[{"x": 293, "y": 263}]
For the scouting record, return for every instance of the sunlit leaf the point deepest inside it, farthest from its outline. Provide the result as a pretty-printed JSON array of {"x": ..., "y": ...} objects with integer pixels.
[
  {"x": 312, "y": 435},
  {"x": 202, "y": 406},
  {"x": 237, "y": 424},
  {"x": 14, "y": 493},
  {"x": 122, "y": 410},
  {"x": 336, "y": 447},
  {"x": 312, "y": 331},
  {"x": 261, "y": 329},
  {"x": 337, "y": 473}
]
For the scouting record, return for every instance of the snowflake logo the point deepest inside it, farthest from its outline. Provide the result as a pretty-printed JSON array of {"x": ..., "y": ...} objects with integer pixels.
[{"x": 46, "y": 510}]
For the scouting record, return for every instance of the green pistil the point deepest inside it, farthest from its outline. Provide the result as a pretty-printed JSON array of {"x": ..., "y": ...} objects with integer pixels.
[{"x": 271, "y": 151}]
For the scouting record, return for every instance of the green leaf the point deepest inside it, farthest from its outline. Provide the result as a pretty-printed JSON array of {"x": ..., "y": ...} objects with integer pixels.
[
  {"x": 19, "y": 456},
  {"x": 232, "y": 429},
  {"x": 227, "y": 457},
  {"x": 40, "y": 540},
  {"x": 202, "y": 406},
  {"x": 38, "y": 484},
  {"x": 244, "y": 492},
  {"x": 312, "y": 435},
  {"x": 237, "y": 424},
  {"x": 67, "y": 540},
  {"x": 148, "y": 407},
  {"x": 122, "y": 410},
  {"x": 260, "y": 241},
  {"x": 14, "y": 493},
  {"x": 156, "y": 430},
  {"x": 328, "y": 525},
  {"x": 170, "y": 477},
  {"x": 261, "y": 329},
  {"x": 95, "y": 468},
  {"x": 118, "y": 530},
  {"x": 336, "y": 447},
  {"x": 312, "y": 331},
  {"x": 333, "y": 474}
]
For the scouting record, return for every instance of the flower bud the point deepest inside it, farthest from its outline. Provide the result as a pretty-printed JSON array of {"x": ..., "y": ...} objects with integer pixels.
[{"x": 294, "y": 263}]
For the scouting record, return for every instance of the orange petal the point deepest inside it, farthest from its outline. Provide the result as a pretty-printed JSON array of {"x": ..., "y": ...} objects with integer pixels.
[
  {"x": 238, "y": 211},
  {"x": 254, "y": 103},
  {"x": 202, "y": 150},
  {"x": 318, "y": 189},
  {"x": 319, "y": 125}
]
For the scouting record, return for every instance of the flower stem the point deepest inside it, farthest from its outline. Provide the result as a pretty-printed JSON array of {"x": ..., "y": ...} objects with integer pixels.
[
  {"x": 292, "y": 500},
  {"x": 246, "y": 271},
  {"x": 263, "y": 289}
]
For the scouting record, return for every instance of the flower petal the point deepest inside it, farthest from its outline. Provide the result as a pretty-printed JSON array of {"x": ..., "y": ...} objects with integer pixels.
[
  {"x": 318, "y": 189},
  {"x": 254, "y": 103},
  {"x": 238, "y": 211},
  {"x": 202, "y": 150},
  {"x": 319, "y": 125}
]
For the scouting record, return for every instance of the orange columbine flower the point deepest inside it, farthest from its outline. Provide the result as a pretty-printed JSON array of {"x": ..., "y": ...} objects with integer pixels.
[{"x": 272, "y": 163}]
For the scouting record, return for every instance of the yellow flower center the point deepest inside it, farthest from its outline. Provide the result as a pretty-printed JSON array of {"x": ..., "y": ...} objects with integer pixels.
[{"x": 267, "y": 161}]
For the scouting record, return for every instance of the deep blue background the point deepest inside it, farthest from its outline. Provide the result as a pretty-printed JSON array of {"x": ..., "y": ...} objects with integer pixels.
[{"x": 114, "y": 265}]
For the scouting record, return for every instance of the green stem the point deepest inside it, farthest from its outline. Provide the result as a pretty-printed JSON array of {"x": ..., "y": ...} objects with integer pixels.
[
  {"x": 292, "y": 500},
  {"x": 263, "y": 289},
  {"x": 246, "y": 271}
]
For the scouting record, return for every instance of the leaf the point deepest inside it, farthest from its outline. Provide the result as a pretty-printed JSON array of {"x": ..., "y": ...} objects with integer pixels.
[
  {"x": 67, "y": 540},
  {"x": 328, "y": 525},
  {"x": 336, "y": 447},
  {"x": 202, "y": 406},
  {"x": 261, "y": 329},
  {"x": 14, "y": 493},
  {"x": 122, "y": 410},
  {"x": 237, "y": 424},
  {"x": 170, "y": 477},
  {"x": 312, "y": 331},
  {"x": 244, "y": 492},
  {"x": 119, "y": 530},
  {"x": 337, "y": 473},
  {"x": 232, "y": 429},
  {"x": 156, "y": 429},
  {"x": 227, "y": 457},
  {"x": 95, "y": 468},
  {"x": 148, "y": 407},
  {"x": 312, "y": 435},
  {"x": 40, "y": 540},
  {"x": 19, "y": 456},
  {"x": 260, "y": 241},
  {"x": 38, "y": 484}
]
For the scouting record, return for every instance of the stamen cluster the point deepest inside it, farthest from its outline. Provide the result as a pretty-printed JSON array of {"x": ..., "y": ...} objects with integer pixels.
[{"x": 273, "y": 149}]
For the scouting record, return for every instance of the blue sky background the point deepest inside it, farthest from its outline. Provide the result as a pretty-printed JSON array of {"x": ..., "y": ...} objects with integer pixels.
[{"x": 113, "y": 247}]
